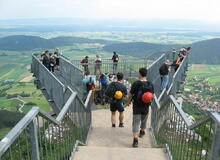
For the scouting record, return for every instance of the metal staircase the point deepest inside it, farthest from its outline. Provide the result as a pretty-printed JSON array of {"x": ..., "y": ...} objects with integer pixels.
[{"x": 39, "y": 136}]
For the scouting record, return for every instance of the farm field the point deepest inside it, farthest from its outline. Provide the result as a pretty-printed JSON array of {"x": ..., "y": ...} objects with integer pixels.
[{"x": 210, "y": 72}]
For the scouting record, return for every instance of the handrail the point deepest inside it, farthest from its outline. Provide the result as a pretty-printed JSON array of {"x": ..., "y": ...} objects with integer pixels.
[
  {"x": 66, "y": 107},
  {"x": 15, "y": 131},
  {"x": 216, "y": 117},
  {"x": 156, "y": 60},
  {"x": 182, "y": 113},
  {"x": 68, "y": 61}
]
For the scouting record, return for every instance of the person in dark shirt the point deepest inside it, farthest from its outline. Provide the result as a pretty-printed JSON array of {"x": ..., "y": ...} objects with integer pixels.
[
  {"x": 116, "y": 103},
  {"x": 140, "y": 109},
  {"x": 115, "y": 59},
  {"x": 164, "y": 73},
  {"x": 46, "y": 59},
  {"x": 84, "y": 63}
]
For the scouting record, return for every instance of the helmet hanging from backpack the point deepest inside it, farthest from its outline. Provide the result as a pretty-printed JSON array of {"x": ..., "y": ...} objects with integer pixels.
[
  {"x": 147, "y": 97},
  {"x": 118, "y": 95}
]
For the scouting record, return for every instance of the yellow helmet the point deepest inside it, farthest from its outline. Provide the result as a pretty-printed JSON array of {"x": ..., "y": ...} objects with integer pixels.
[{"x": 118, "y": 95}]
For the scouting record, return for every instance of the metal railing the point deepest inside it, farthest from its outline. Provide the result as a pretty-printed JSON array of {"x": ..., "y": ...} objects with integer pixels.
[
  {"x": 39, "y": 136},
  {"x": 127, "y": 66},
  {"x": 172, "y": 128},
  {"x": 72, "y": 74}
]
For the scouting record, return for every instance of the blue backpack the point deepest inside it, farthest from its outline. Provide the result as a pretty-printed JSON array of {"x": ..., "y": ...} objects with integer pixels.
[{"x": 104, "y": 80}]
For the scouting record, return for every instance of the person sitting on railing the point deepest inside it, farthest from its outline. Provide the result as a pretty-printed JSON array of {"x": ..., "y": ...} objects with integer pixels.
[
  {"x": 115, "y": 59},
  {"x": 141, "y": 94},
  {"x": 182, "y": 54},
  {"x": 84, "y": 63},
  {"x": 116, "y": 91},
  {"x": 45, "y": 59},
  {"x": 98, "y": 64},
  {"x": 164, "y": 73},
  {"x": 88, "y": 82},
  {"x": 57, "y": 55}
]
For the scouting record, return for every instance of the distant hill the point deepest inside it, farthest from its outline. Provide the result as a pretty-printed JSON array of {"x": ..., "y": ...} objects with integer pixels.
[
  {"x": 207, "y": 51},
  {"x": 25, "y": 43},
  {"x": 139, "y": 49}
]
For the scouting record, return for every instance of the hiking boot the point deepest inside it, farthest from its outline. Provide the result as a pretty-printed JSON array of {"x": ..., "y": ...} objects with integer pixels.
[
  {"x": 113, "y": 125},
  {"x": 135, "y": 143},
  {"x": 121, "y": 125},
  {"x": 141, "y": 134}
]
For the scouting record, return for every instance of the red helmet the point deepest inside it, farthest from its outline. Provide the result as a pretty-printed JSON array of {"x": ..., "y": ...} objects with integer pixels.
[{"x": 147, "y": 97}]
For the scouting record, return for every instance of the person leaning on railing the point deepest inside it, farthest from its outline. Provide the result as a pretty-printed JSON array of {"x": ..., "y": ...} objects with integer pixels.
[
  {"x": 164, "y": 73},
  {"x": 183, "y": 52}
]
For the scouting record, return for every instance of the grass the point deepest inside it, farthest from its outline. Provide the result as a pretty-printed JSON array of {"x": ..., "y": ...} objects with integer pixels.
[
  {"x": 9, "y": 104},
  {"x": 4, "y": 132},
  {"x": 212, "y": 72},
  {"x": 40, "y": 101}
]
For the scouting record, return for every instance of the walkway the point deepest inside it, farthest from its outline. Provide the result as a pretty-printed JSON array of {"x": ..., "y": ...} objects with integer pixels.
[{"x": 107, "y": 143}]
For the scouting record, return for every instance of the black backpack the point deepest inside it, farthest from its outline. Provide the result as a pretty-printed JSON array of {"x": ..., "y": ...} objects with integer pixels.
[
  {"x": 52, "y": 61},
  {"x": 116, "y": 58},
  {"x": 163, "y": 69},
  {"x": 89, "y": 85},
  {"x": 144, "y": 87}
]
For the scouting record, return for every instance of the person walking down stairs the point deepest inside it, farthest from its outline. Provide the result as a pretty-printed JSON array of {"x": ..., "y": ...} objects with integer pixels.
[
  {"x": 141, "y": 94},
  {"x": 116, "y": 91}
]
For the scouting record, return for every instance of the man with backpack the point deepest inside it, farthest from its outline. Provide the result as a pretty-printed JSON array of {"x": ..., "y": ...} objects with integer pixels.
[
  {"x": 88, "y": 82},
  {"x": 116, "y": 91},
  {"x": 115, "y": 59},
  {"x": 164, "y": 73},
  {"x": 142, "y": 95}
]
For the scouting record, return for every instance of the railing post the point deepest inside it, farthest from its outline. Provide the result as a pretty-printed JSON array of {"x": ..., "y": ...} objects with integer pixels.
[
  {"x": 34, "y": 140},
  {"x": 216, "y": 143}
]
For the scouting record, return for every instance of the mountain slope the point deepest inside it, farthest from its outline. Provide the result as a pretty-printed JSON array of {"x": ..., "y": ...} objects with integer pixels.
[
  {"x": 25, "y": 43},
  {"x": 207, "y": 51},
  {"x": 139, "y": 49}
]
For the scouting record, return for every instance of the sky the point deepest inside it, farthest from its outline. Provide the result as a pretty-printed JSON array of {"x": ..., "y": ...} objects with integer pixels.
[{"x": 203, "y": 10}]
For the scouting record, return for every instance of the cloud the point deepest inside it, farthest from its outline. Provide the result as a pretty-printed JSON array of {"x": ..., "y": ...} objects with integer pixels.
[{"x": 137, "y": 9}]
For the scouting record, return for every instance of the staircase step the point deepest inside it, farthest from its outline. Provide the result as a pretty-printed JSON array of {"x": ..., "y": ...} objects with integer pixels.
[
  {"x": 116, "y": 137},
  {"x": 105, "y": 153}
]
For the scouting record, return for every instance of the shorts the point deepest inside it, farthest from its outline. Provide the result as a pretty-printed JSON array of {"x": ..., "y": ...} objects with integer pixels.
[
  {"x": 139, "y": 122},
  {"x": 116, "y": 106}
]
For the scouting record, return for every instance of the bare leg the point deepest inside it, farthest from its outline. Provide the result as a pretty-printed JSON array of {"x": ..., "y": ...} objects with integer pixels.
[
  {"x": 121, "y": 117},
  {"x": 113, "y": 118}
]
